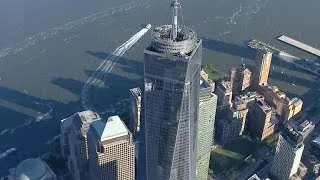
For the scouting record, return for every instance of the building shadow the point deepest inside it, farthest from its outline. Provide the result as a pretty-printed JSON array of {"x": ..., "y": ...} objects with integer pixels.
[
  {"x": 228, "y": 48},
  {"x": 293, "y": 81},
  {"x": 127, "y": 65},
  {"x": 28, "y": 124}
]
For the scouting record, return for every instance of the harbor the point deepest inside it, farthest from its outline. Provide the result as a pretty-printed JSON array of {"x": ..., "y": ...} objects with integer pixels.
[
  {"x": 299, "y": 45},
  {"x": 307, "y": 65}
]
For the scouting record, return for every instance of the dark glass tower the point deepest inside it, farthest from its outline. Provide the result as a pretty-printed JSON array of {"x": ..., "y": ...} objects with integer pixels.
[{"x": 170, "y": 104}]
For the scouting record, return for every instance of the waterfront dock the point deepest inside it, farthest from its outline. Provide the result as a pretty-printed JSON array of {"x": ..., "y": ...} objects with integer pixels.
[
  {"x": 299, "y": 45},
  {"x": 304, "y": 64}
]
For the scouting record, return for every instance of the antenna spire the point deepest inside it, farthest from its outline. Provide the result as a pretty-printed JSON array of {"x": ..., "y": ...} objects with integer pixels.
[{"x": 175, "y": 5}]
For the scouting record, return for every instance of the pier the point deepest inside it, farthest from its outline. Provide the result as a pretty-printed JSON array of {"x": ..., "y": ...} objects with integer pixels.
[
  {"x": 304, "y": 64},
  {"x": 299, "y": 45}
]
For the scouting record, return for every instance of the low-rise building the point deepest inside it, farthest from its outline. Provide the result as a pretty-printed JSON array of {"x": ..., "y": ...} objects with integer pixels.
[
  {"x": 302, "y": 170},
  {"x": 306, "y": 129},
  {"x": 32, "y": 169},
  {"x": 293, "y": 108},
  {"x": 204, "y": 75}
]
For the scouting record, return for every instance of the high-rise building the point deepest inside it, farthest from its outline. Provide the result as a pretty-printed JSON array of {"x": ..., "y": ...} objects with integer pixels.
[
  {"x": 111, "y": 150},
  {"x": 240, "y": 79},
  {"x": 232, "y": 126},
  {"x": 262, "y": 67},
  {"x": 207, "y": 112},
  {"x": 170, "y": 107},
  {"x": 74, "y": 142},
  {"x": 134, "y": 111},
  {"x": 224, "y": 92},
  {"x": 288, "y": 154},
  {"x": 259, "y": 123}
]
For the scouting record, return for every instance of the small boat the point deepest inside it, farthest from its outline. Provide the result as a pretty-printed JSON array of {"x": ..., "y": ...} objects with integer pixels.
[
  {"x": 148, "y": 26},
  {"x": 7, "y": 152}
]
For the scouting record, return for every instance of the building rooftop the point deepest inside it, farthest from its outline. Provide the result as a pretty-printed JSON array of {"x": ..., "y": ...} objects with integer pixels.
[
  {"x": 88, "y": 116},
  {"x": 296, "y": 101},
  {"x": 110, "y": 129},
  {"x": 84, "y": 116},
  {"x": 306, "y": 125},
  {"x": 254, "y": 177},
  {"x": 226, "y": 85},
  {"x": 204, "y": 83},
  {"x": 33, "y": 169},
  {"x": 244, "y": 99},
  {"x": 162, "y": 40},
  {"x": 263, "y": 105},
  {"x": 292, "y": 136},
  {"x": 136, "y": 92},
  {"x": 246, "y": 70}
]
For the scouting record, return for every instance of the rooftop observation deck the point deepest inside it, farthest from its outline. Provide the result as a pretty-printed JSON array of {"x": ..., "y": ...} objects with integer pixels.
[
  {"x": 299, "y": 45},
  {"x": 162, "y": 42}
]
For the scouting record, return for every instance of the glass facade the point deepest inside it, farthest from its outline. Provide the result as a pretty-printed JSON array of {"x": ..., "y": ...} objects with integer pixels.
[{"x": 170, "y": 109}]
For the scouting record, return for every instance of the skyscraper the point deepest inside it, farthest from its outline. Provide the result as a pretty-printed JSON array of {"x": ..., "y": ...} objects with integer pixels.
[
  {"x": 288, "y": 154},
  {"x": 170, "y": 105},
  {"x": 207, "y": 112},
  {"x": 134, "y": 111},
  {"x": 111, "y": 150},
  {"x": 262, "y": 67},
  {"x": 240, "y": 79},
  {"x": 73, "y": 142}
]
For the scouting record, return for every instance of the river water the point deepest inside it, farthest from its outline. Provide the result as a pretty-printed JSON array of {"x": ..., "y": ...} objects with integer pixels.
[{"x": 49, "y": 49}]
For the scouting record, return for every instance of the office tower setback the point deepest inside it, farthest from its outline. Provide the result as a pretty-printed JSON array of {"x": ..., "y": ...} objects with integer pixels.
[
  {"x": 134, "y": 111},
  {"x": 259, "y": 123},
  {"x": 207, "y": 112},
  {"x": 170, "y": 105},
  {"x": 288, "y": 154},
  {"x": 111, "y": 150},
  {"x": 73, "y": 142},
  {"x": 224, "y": 92},
  {"x": 262, "y": 67},
  {"x": 240, "y": 79}
]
